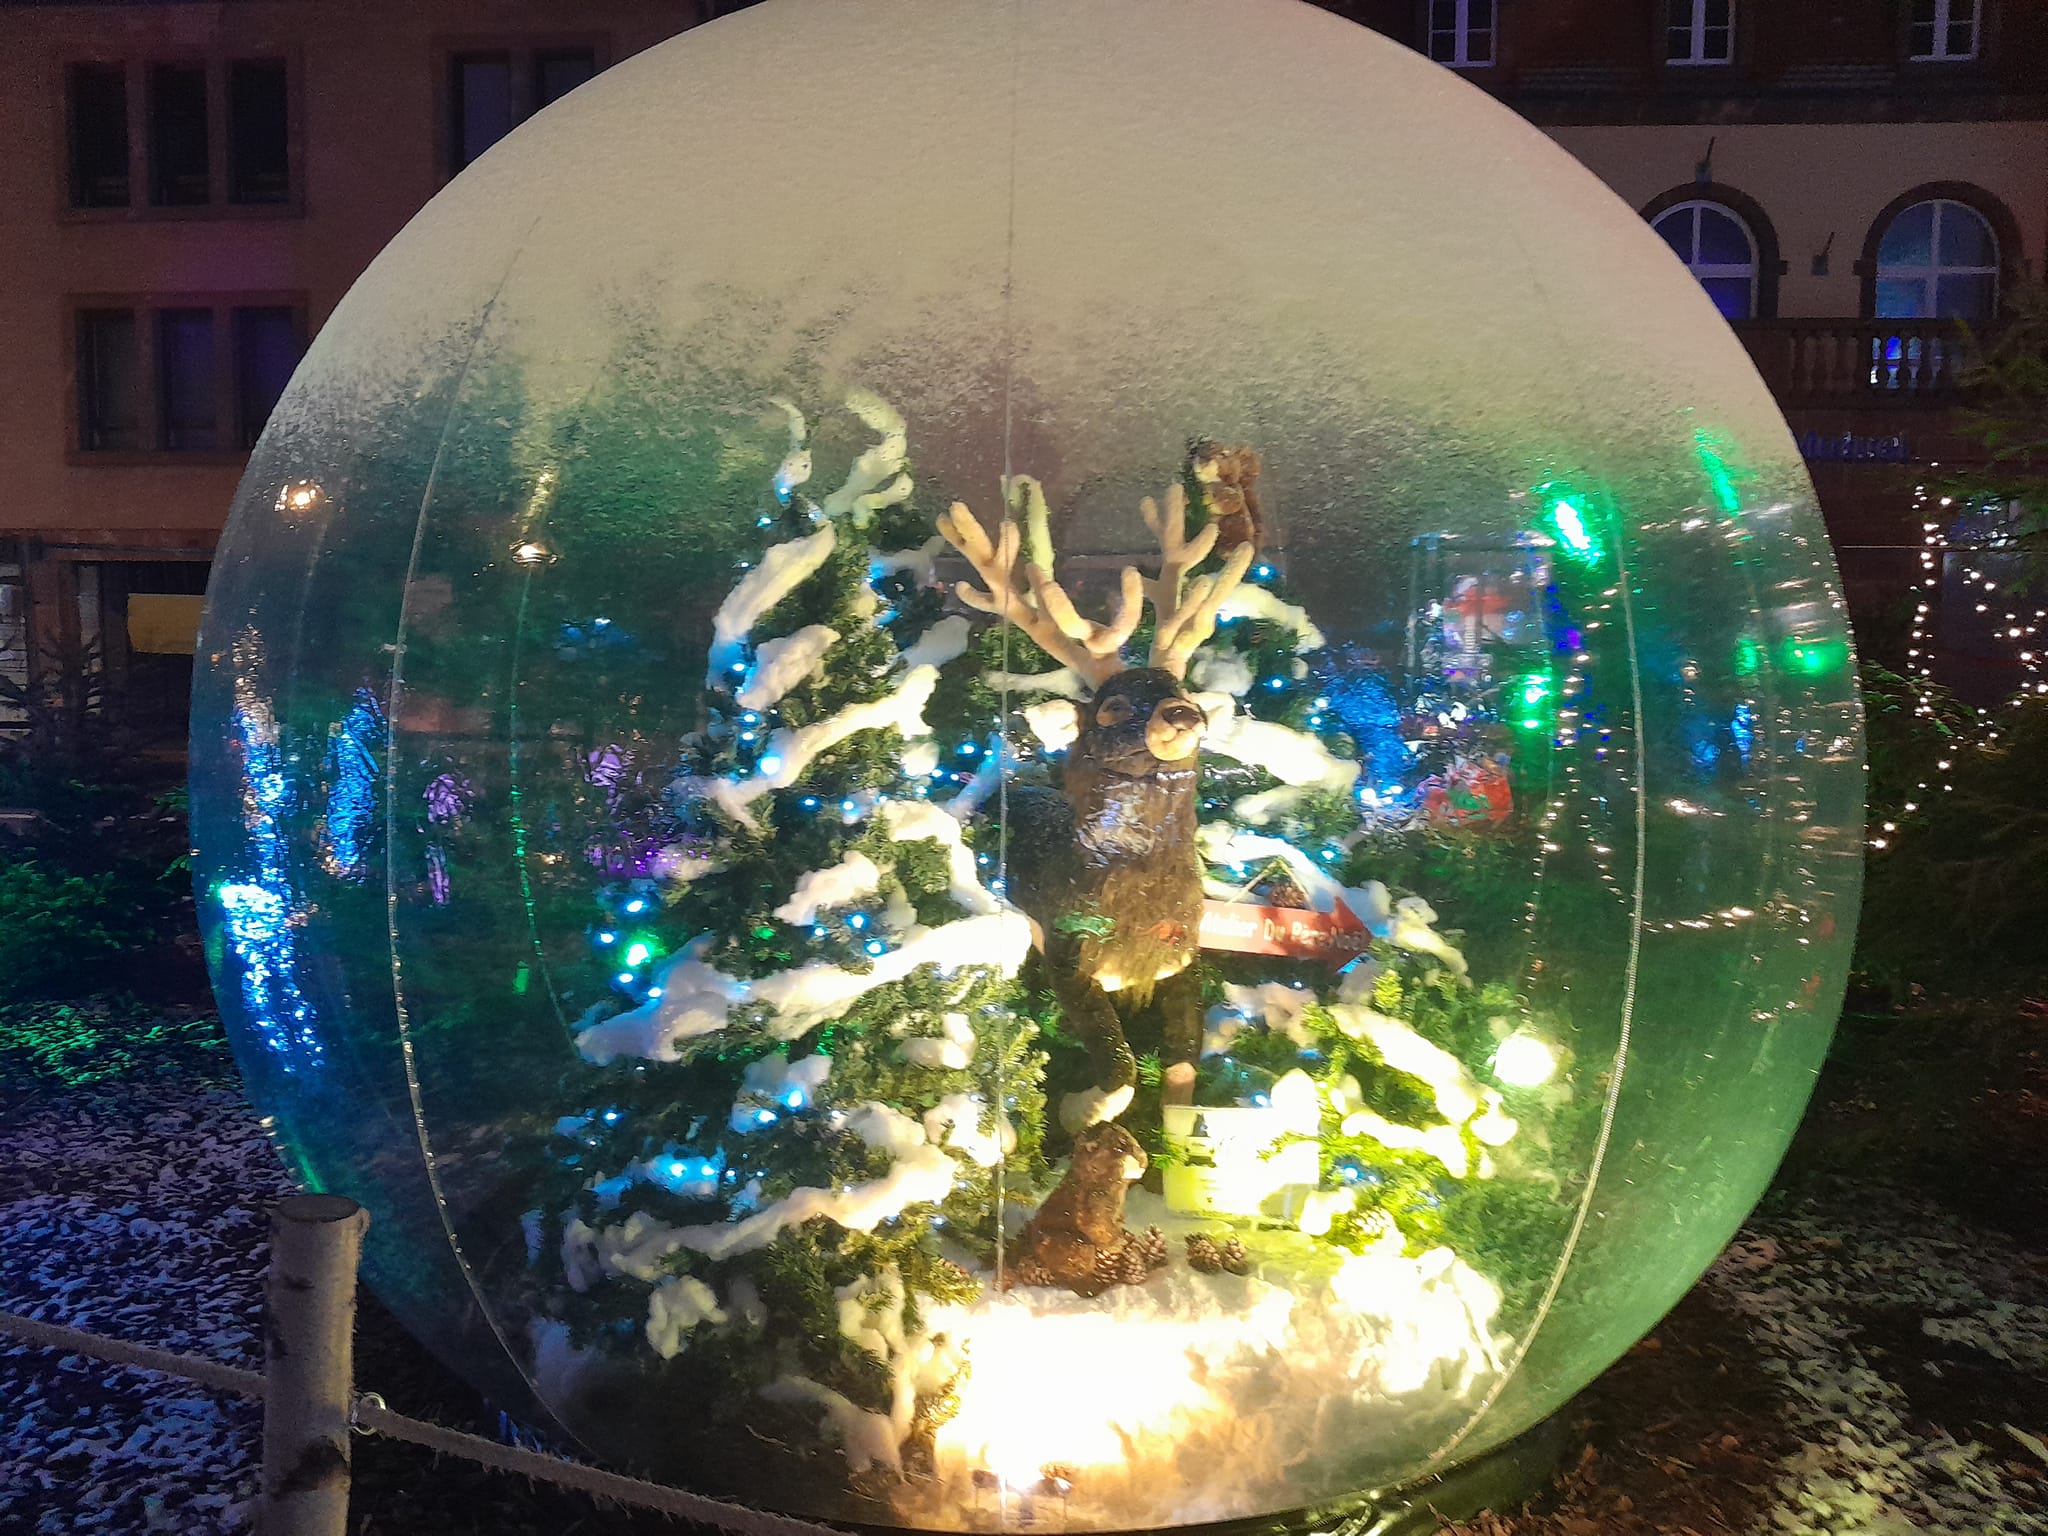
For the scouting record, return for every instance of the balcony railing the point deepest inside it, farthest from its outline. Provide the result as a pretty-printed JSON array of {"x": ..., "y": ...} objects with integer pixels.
[{"x": 1889, "y": 363}]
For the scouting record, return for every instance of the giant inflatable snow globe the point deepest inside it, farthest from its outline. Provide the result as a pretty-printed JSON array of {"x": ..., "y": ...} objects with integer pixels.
[{"x": 1014, "y": 764}]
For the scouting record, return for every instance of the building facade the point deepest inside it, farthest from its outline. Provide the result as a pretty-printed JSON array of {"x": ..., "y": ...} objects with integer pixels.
[
  {"x": 1861, "y": 186},
  {"x": 189, "y": 189}
]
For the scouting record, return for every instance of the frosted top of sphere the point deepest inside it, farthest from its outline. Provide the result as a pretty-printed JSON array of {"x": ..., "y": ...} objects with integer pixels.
[{"x": 801, "y": 1037}]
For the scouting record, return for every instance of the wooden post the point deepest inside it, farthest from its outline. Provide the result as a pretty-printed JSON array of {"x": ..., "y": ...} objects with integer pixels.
[{"x": 309, "y": 1370}]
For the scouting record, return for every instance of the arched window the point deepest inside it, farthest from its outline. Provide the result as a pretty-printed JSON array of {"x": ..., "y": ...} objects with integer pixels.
[
  {"x": 1937, "y": 260},
  {"x": 1719, "y": 250}
]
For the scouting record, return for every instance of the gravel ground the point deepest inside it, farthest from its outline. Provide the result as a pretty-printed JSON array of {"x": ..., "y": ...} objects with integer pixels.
[{"x": 1860, "y": 1362}]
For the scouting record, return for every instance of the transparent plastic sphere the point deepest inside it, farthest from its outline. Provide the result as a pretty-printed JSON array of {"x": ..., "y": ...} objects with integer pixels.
[{"x": 1270, "y": 1021}]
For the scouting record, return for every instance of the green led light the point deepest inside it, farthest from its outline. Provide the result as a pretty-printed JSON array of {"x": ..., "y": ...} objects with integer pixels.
[
  {"x": 1719, "y": 475},
  {"x": 1749, "y": 656},
  {"x": 638, "y": 954},
  {"x": 1533, "y": 691},
  {"x": 1815, "y": 658},
  {"x": 1565, "y": 519}
]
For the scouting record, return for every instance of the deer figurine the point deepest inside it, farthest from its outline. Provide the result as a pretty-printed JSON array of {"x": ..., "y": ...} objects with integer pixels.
[{"x": 1105, "y": 867}]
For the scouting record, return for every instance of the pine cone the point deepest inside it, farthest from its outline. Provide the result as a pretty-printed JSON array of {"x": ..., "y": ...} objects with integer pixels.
[
  {"x": 1202, "y": 1255},
  {"x": 1028, "y": 1272},
  {"x": 1232, "y": 1256},
  {"x": 1281, "y": 892},
  {"x": 1131, "y": 1266},
  {"x": 1153, "y": 1247}
]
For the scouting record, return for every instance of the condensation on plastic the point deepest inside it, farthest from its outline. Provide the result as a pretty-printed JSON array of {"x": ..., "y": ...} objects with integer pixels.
[{"x": 1061, "y": 238}]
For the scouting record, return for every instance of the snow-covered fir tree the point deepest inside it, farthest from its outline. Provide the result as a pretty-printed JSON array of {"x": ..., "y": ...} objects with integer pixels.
[{"x": 816, "y": 1089}]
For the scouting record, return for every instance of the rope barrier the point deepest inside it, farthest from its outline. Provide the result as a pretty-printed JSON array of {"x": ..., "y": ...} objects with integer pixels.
[
  {"x": 211, "y": 1373},
  {"x": 369, "y": 1415}
]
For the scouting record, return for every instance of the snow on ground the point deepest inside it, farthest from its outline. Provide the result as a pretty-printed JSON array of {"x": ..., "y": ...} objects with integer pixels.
[
  {"x": 135, "y": 1210},
  {"x": 1841, "y": 1299}
]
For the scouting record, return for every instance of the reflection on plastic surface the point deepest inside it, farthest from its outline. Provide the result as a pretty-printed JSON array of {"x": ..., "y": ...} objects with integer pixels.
[{"x": 1067, "y": 811}]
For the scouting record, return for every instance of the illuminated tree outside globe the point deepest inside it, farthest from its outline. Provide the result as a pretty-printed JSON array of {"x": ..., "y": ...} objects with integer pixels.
[{"x": 994, "y": 764}]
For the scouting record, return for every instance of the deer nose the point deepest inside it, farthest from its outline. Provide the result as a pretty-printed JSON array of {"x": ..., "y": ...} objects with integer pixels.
[{"x": 1174, "y": 732}]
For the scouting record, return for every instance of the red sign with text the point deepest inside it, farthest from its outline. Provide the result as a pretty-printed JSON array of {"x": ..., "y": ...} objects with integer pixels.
[{"x": 1338, "y": 936}]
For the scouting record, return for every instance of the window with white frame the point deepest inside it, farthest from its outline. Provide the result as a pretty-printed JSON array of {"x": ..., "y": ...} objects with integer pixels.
[
  {"x": 1942, "y": 30},
  {"x": 1700, "y": 32},
  {"x": 1461, "y": 32},
  {"x": 1937, "y": 260},
  {"x": 1718, "y": 249}
]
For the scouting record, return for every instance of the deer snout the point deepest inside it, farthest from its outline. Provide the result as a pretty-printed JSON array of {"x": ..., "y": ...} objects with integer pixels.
[{"x": 1175, "y": 730}]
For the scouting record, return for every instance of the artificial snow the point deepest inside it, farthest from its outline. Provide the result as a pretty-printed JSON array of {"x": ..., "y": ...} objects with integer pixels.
[
  {"x": 1291, "y": 756},
  {"x": 916, "y": 563},
  {"x": 923, "y": 1175},
  {"x": 1055, "y": 722},
  {"x": 951, "y": 1050},
  {"x": 1219, "y": 671},
  {"x": 876, "y": 479},
  {"x": 911, "y": 821},
  {"x": 1063, "y": 681},
  {"x": 792, "y": 749},
  {"x": 1166, "y": 1403},
  {"x": 822, "y": 890},
  {"x": 868, "y": 1439},
  {"x": 1412, "y": 928},
  {"x": 1456, "y": 1092},
  {"x": 955, "y": 1121},
  {"x": 779, "y": 665},
  {"x": 943, "y": 642},
  {"x": 676, "y": 1306},
  {"x": 1249, "y": 602},
  {"x": 781, "y": 569},
  {"x": 808, "y": 995}
]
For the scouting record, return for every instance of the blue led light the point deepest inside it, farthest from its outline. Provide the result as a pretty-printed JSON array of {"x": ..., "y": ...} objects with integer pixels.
[
  {"x": 858, "y": 920},
  {"x": 258, "y": 912},
  {"x": 875, "y": 946},
  {"x": 770, "y": 763},
  {"x": 637, "y": 904},
  {"x": 607, "y": 937},
  {"x": 351, "y": 824}
]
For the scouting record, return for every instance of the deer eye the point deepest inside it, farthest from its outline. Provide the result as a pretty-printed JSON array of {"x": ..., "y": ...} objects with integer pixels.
[{"x": 1113, "y": 711}]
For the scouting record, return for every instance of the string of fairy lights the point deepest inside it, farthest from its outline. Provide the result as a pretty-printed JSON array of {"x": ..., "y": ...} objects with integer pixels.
[{"x": 2020, "y": 627}]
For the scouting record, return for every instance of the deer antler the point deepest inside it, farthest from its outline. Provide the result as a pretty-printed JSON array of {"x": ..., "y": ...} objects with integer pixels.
[
  {"x": 1044, "y": 611},
  {"x": 1186, "y": 618}
]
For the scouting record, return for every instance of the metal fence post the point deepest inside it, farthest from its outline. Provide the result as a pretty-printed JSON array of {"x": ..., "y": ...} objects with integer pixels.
[{"x": 309, "y": 1355}]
